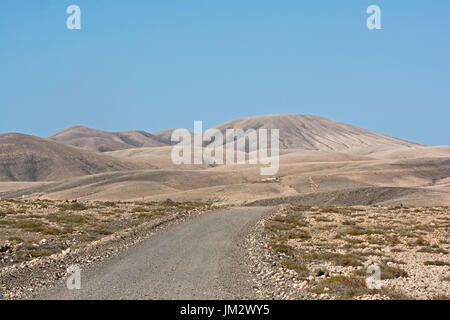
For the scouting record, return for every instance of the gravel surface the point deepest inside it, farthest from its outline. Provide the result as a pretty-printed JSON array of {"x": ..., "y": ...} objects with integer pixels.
[
  {"x": 200, "y": 258},
  {"x": 26, "y": 279},
  {"x": 311, "y": 253}
]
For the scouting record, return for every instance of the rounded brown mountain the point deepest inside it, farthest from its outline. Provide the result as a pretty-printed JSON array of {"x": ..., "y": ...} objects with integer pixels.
[
  {"x": 30, "y": 158},
  {"x": 308, "y": 132},
  {"x": 102, "y": 141}
]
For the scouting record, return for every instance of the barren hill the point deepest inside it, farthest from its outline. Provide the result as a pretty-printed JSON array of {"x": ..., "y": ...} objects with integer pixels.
[
  {"x": 164, "y": 136},
  {"x": 322, "y": 162},
  {"x": 308, "y": 132},
  {"x": 97, "y": 140},
  {"x": 29, "y": 158}
]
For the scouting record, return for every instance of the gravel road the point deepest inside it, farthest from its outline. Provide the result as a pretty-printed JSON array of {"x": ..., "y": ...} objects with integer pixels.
[{"x": 201, "y": 258}]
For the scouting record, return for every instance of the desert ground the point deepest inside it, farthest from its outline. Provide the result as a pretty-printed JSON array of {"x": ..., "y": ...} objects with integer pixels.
[
  {"x": 344, "y": 197},
  {"x": 322, "y": 162},
  {"x": 306, "y": 253}
]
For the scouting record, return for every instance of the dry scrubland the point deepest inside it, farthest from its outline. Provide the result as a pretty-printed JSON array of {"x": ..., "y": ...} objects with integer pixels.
[
  {"x": 34, "y": 229},
  {"x": 304, "y": 252},
  {"x": 323, "y": 252},
  {"x": 301, "y": 252}
]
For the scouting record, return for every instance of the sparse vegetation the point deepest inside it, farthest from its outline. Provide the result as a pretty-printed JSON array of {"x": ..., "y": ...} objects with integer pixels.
[
  {"x": 342, "y": 287},
  {"x": 295, "y": 265},
  {"x": 37, "y": 228},
  {"x": 441, "y": 297},
  {"x": 388, "y": 272},
  {"x": 436, "y": 263},
  {"x": 335, "y": 258},
  {"x": 275, "y": 226},
  {"x": 303, "y": 239},
  {"x": 30, "y": 225},
  {"x": 75, "y": 206},
  {"x": 299, "y": 234},
  {"x": 282, "y": 248},
  {"x": 432, "y": 250},
  {"x": 139, "y": 209},
  {"x": 67, "y": 219},
  {"x": 15, "y": 239}
]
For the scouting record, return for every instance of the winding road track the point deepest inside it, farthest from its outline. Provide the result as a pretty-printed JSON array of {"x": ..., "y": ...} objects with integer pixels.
[{"x": 201, "y": 258}]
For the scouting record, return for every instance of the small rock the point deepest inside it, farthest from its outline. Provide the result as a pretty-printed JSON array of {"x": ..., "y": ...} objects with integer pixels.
[{"x": 319, "y": 272}]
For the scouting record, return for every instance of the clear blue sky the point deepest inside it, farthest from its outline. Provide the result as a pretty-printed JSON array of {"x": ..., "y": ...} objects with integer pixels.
[{"x": 155, "y": 64}]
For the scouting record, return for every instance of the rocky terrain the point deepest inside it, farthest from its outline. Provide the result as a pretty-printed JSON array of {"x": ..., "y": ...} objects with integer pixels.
[
  {"x": 39, "y": 240},
  {"x": 300, "y": 252},
  {"x": 324, "y": 252},
  {"x": 349, "y": 198}
]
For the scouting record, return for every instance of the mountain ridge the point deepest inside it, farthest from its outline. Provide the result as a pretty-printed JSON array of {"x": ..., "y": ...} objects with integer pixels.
[
  {"x": 29, "y": 158},
  {"x": 297, "y": 131},
  {"x": 310, "y": 132},
  {"x": 103, "y": 141}
]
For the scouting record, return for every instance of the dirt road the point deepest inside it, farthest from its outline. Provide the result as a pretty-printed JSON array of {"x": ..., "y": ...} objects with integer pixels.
[{"x": 201, "y": 258}]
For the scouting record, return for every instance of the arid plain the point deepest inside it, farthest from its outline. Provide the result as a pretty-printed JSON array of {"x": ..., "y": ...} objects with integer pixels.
[
  {"x": 322, "y": 162},
  {"x": 343, "y": 198}
]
